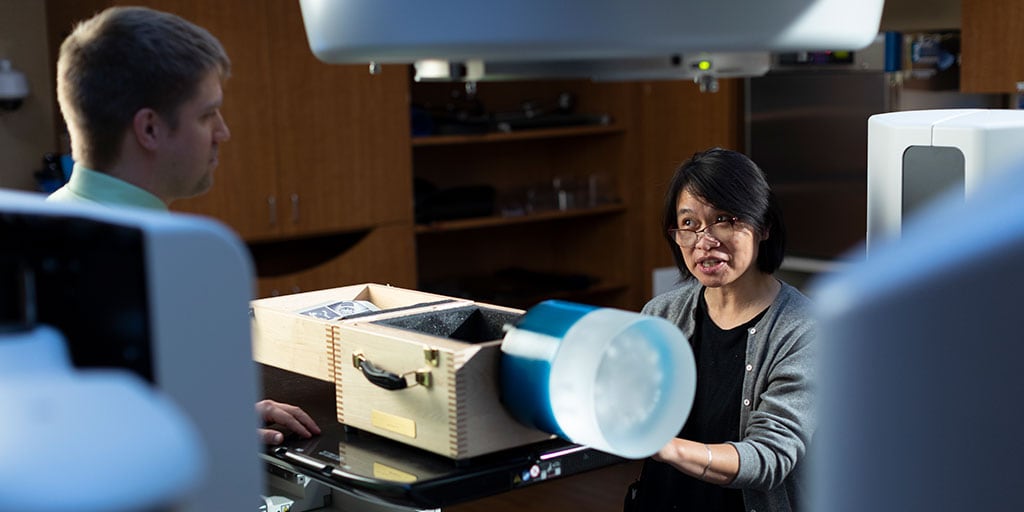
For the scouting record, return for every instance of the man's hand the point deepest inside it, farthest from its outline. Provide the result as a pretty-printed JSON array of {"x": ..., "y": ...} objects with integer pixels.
[{"x": 289, "y": 416}]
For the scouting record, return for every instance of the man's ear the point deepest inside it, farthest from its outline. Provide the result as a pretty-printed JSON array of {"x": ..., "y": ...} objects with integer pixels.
[{"x": 147, "y": 127}]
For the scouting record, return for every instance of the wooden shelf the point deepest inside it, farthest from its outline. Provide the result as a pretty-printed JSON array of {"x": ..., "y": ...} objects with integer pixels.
[
  {"x": 494, "y": 221},
  {"x": 478, "y": 255},
  {"x": 532, "y": 134}
]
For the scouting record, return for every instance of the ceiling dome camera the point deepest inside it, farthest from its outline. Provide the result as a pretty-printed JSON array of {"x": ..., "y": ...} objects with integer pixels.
[{"x": 13, "y": 86}]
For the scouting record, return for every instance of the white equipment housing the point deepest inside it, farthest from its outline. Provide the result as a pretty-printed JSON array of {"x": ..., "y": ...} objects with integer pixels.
[
  {"x": 915, "y": 156},
  {"x": 189, "y": 331}
]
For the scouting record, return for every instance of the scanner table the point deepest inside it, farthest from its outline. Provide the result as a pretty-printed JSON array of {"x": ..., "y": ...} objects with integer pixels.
[{"x": 366, "y": 466}]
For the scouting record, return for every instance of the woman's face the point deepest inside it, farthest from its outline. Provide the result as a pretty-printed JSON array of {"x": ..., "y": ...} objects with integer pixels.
[{"x": 716, "y": 262}]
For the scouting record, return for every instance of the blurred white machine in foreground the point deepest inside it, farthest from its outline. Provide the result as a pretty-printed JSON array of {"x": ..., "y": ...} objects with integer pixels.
[
  {"x": 922, "y": 341},
  {"x": 602, "y": 39},
  {"x": 144, "y": 300},
  {"x": 88, "y": 440}
]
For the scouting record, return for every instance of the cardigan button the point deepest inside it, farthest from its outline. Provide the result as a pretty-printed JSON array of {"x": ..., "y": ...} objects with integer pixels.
[
  {"x": 746, "y": 402},
  {"x": 752, "y": 330}
]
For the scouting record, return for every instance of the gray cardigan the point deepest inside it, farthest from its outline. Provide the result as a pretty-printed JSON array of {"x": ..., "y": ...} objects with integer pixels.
[{"x": 777, "y": 414}]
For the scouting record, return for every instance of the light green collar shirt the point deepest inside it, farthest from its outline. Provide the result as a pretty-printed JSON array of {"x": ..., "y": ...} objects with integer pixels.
[{"x": 87, "y": 185}]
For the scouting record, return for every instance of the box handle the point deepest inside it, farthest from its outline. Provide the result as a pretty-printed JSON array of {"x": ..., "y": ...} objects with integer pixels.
[{"x": 385, "y": 379}]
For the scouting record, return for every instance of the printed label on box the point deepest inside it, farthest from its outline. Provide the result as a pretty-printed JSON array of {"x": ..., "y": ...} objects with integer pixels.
[
  {"x": 392, "y": 423},
  {"x": 385, "y": 472}
]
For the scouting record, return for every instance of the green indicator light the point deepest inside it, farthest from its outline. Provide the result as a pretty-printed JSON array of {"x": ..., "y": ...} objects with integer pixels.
[{"x": 704, "y": 65}]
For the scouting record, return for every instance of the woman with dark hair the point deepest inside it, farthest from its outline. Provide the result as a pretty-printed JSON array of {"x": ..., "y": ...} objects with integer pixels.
[{"x": 752, "y": 336}]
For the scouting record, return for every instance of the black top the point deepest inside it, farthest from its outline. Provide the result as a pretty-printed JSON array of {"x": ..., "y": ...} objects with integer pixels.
[{"x": 715, "y": 418}]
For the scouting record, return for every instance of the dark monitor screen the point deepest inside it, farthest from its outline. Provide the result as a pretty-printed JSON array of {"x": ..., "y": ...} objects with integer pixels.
[{"x": 84, "y": 277}]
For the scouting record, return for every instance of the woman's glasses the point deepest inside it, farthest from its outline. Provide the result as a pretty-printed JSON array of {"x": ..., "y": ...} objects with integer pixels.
[{"x": 719, "y": 230}]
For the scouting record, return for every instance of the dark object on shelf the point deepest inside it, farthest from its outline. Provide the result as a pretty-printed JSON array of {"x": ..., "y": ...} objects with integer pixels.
[
  {"x": 514, "y": 286},
  {"x": 551, "y": 121},
  {"x": 934, "y": 61},
  {"x": 421, "y": 121},
  {"x": 434, "y": 204},
  {"x": 465, "y": 114},
  {"x": 514, "y": 121},
  {"x": 463, "y": 126}
]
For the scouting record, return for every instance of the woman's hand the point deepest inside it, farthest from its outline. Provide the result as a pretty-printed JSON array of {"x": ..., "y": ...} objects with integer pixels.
[{"x": 713, "y": 463}]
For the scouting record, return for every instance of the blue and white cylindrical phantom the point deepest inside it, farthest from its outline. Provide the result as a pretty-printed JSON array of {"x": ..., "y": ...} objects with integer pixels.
[{"x": 613, "y": 380}]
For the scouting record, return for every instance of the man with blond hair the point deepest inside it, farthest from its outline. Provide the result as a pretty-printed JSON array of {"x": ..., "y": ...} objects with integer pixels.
[{"x": 141, "y": 92}]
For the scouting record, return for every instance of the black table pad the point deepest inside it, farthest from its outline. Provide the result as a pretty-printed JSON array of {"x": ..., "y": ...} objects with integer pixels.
[{"x": 380, "y": 469}]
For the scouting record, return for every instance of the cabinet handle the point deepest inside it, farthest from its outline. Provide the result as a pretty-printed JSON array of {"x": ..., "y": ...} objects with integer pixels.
[
  {"x": 295, "y": 208},
  {"x": 272, "y": 206}
]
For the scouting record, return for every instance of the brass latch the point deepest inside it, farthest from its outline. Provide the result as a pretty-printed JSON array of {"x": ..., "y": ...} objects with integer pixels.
[{"x": 432, "y": 356}]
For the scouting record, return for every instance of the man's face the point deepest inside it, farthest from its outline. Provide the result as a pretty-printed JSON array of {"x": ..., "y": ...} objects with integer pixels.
[{"x": 192, "y": 148}]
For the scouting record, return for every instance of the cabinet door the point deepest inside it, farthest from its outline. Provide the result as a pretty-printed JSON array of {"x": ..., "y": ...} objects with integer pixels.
[
  {"x": 244, "y": 188},
  {"x": 675, "y": 120},
  {"x": 342, "y": 135},
  {"x": 992, "y": 45}
]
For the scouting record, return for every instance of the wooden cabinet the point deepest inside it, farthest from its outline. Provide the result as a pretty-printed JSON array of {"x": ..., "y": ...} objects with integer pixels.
[
  {"x": 316, "y": 148},
  {"x": 674, "y": 120},
  {"x": 342, "y": 135},
  {"x": 992, "y": 45},
  {"x": 557, "y": 225},
  {"x": 319, "y": 154},
  {"x": 245, "y": 181}
]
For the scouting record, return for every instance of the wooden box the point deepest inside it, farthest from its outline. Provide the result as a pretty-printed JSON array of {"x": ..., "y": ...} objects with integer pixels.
[
  {"x": 449, "y": 354},
  {"x": 287, "y": 339},
  {"x": 422, "y": 371}
]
